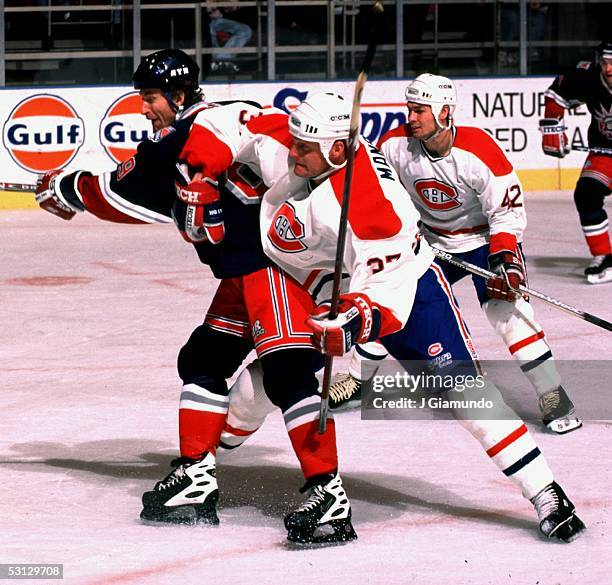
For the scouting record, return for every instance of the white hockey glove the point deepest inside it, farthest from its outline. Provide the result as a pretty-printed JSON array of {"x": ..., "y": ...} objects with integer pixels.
[
  {"x": 198, "y": 213},
  {"x": 357, "y": 322},
  {"x": 554, "y": 139},
  {"x": 50, "y": 198}
]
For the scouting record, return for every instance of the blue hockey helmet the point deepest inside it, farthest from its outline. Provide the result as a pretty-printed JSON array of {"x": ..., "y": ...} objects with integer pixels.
[{"x": 169, "y": 70}]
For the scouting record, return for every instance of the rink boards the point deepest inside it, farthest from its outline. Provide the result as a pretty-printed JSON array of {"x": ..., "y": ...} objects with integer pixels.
[{"x": 95, "y": 128}]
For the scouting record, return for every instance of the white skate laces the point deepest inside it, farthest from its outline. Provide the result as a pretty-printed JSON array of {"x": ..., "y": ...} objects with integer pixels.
[
  {"x": 550, "y": 401},
  {"x": 316, "y": 498},
  {"x": 344, "y": 387},
  {"x": 557, "y": 515},
  {"x": 546, "y": 502}
]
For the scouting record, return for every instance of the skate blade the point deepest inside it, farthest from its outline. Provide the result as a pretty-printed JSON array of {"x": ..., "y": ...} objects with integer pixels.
[
  {"x": 562, "y": 426},
  {"x": 181, "y": 516},
  {"x": 569, "y": 530},
  {"x": 339, "y": 535},
  {"x": 348, "y": 405},
  {"x": 600, "y": 278}
]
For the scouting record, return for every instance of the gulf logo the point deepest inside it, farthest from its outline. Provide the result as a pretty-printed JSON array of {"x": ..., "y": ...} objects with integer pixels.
[
  {"x": 123, "y": 127},
  {"x": 43, "y": 132}
]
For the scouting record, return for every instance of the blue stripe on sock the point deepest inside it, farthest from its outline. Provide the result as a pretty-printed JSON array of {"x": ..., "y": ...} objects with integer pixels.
[
  {"x": 525, "y": 460},
  {"x": 535, "y": 363}
]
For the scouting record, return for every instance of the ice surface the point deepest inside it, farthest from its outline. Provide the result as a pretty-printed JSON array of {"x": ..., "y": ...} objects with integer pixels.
[{"x": 93, "y": 315}]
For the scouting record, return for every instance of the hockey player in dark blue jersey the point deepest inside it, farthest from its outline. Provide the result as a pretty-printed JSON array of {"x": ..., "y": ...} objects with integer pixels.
[
  {"x": 589, "y": 83},
  {"x": 256, "y": 305}
]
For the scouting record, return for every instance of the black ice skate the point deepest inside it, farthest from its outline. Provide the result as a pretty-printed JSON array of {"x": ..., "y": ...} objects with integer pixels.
[
  {"x": 325, "y": 516},
  {"x": 557, "y": 514},
  {"x": 558, "y": 413},
  {"x": 599, "y": 270},
  {"x": 345, "y": 393},
  {"x": 188, "y": 495}
]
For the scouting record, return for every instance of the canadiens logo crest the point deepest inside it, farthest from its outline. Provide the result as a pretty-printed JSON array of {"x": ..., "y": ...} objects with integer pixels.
[
  {"x": 437, "y": 195},
  {"x": 435, "y": 349},
  {"x": 287, "y": 231}
]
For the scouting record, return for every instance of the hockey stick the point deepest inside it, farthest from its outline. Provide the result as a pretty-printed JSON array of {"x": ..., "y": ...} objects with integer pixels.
[
  {"x": 22, "y": 187},
  {"x": 532, "y": 293},
  {"x": 593, "y": 149},
  {"x": 377, "y": 8}
]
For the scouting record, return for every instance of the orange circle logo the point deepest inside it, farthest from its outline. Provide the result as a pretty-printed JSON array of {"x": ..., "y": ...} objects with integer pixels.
[
  {"x": 43, "y": 132},
  {"x": 123, "y": 127}
]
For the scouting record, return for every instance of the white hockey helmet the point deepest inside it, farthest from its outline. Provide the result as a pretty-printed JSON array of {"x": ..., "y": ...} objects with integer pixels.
[
  {"x": 322, "y": 118},
  {"x": 435, "y": 91}
]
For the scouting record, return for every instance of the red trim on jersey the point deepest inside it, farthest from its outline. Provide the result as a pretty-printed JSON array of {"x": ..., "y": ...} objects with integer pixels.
[
  {"x": 446, "y": 287},
  {"x": 527, "y": 341},
  {"x": 274, "y": 125},
  {"x": 482, "y": 145},
  {"x": 472, "y": 230},
  {"x": 95, "y": 202},
  {"x": 205, "y": 152},
  {"x": 505, "y": 442},
  {"x": 371, "y": 215},
  {"x": 401, "y": 131},
  {"x": 502, "y": 241},
  {"x": 228, "y": 326},
  {"x": 311, "y": 278}
]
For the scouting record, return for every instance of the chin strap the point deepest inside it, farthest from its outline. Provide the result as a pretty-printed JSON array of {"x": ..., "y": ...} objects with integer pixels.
[
  {"x": 328, "y": 172},
  {"x": 439, "y": 131}
]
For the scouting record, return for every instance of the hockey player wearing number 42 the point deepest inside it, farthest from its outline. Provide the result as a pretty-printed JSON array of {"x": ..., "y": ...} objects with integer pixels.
[
  {"x": 589, "y": 83},
  {"x": 471, "y": 205}
]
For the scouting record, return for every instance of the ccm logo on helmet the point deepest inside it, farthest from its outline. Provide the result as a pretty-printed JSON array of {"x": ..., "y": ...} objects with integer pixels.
[
  {"x": 437, "y": 195},
  {"x": 287, "y": 231},
  {"x": 123, "y": 127},
  {"x": 43, "y": 132}
]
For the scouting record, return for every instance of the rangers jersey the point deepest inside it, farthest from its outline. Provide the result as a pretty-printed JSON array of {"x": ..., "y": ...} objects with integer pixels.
[
  {"x": 463, "y": 197},
  {"x": 141, "y": 189},
  {"x": 584, "y": 85}
]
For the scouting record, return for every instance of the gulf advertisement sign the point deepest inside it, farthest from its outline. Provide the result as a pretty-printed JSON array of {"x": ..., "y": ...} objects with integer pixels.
[
  {"x": 43, "y": 132},
  {"x": 123, "y": 127}
]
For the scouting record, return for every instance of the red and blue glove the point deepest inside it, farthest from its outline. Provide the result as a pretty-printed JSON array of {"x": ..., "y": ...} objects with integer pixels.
[
  {"x": 357, "y": 322},
  {"x": 508, "y": 265},
  {"x": 50, "y": 199},
  {"x": 554, "y": 138},
  {"x": 198, "y": 213}
]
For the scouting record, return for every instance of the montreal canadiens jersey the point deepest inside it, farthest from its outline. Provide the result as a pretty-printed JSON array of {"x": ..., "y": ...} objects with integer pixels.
[
  {"x": 586, "y": 85},
  {"x": 463, "y": 197},
  {"x": 141, "y": 189},
  {"x": 384, "y": 255}
]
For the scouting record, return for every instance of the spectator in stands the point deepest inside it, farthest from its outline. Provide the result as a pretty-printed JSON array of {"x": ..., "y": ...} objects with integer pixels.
[
  {"x": 510, "y": 26},
  {"x": 229, "y": 32}
]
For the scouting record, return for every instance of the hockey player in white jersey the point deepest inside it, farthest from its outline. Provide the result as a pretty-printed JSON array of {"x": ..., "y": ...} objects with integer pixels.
[
  {"x": 471, "y": 205},
  {"x": 394, "y": 290}
]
